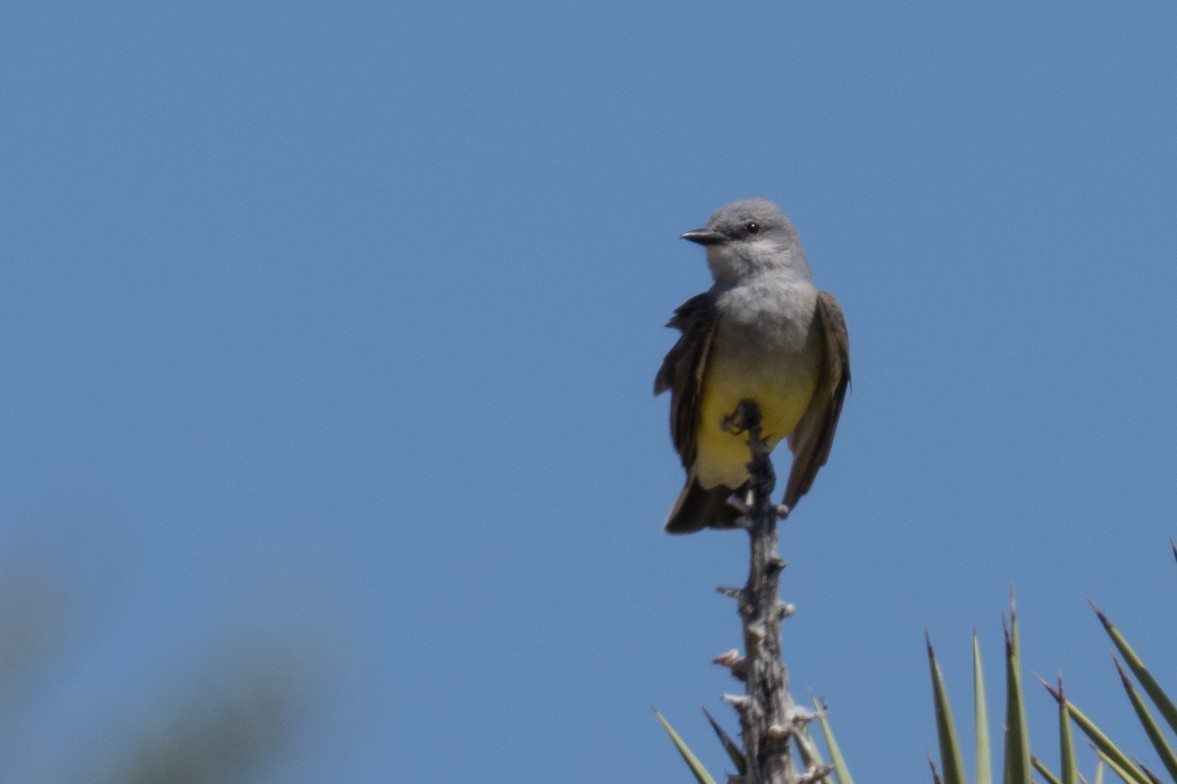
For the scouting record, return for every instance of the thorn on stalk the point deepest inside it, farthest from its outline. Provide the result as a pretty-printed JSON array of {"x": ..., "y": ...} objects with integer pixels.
[
  {"x": 799, "y": 714},
  {"x": 740, "y": 702},
  {"x": 776, "y": 741},
  {"x": 777, "y": 733},
  {"x": 815, "y": 773},
  {"x": 728, "y": 658},
  {"x": 735, "y": 663}
]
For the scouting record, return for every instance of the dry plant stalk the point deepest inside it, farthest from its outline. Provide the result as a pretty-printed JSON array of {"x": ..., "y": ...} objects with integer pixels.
[{"x": 768, "y": 717}]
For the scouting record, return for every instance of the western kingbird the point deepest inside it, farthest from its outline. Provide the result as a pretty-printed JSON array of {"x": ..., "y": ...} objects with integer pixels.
[{"x": 764, "y": 334}]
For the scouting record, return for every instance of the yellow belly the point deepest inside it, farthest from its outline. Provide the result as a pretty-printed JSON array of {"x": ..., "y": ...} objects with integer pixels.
[{"x": 782, "y": 395}]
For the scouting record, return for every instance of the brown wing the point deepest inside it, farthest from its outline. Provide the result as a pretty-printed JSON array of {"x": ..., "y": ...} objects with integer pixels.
[
  {"x": 682, "y": 371},
  {"x": 814, "y": 435}
]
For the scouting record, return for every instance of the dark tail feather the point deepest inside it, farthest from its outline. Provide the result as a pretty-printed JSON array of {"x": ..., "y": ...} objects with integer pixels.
[{"x": 697, "y": 508}]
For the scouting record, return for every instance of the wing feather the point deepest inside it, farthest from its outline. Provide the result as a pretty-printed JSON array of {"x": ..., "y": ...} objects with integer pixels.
[
  {"x": 811, "y": 440},
  {"x": 682, "y": 371}
]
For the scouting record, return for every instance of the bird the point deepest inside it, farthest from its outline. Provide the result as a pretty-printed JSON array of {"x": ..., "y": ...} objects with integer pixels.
[{"x": 761, "y": 334}]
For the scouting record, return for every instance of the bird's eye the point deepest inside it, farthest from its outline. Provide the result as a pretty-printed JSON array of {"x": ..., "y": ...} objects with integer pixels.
[{"x": 752, "y": 227}]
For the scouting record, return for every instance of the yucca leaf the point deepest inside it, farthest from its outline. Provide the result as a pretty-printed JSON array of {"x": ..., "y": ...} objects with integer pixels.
[
  {"x": 982, "y": 750},
  {"x": 1147, "y": 682},
  {"x": 935, "y": 773},
  {"x": 734, "y": 752},
  {"x": 700, "y": 772},
  {"x": 1163, "y": 749},
  {"x": 1115, "y": 758},
  {"x": 1154, "y": 778},
  {"x": 950, "y": 756},
  {"x": 810, "y": 753},
  {"x": 1040, "y": 766},
  {"x": 841, "y": 770},
  {"x": 1017, "y": 740},
  {"x": 1110, "y": 764},
  {"x": 1065, "y": 741}
]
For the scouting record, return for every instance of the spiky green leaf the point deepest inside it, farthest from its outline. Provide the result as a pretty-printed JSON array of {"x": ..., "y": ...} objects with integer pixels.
[
  {"x": 1044, "y": 771},
  {"x": 1147, "y": 682},
  {"x": 841, "y": 770},
  {"x": 981, "y": 745},
  {"x": 700, "y": 772},
  {"x": 1065, "y": 741},
  {"x": 935, "y": 773},
  {"x": 950, "y": 756},
  {"x": 1105, "y": 763},
  {"x": 734, "y": 752},
  {"x": 1159, "y": 743},
  {"x": 1116, "y": 759},
  {"x": 1018, "y": 769}
]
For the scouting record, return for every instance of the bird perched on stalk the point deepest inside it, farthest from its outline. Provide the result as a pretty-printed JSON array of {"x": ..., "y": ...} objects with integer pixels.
[{"x": 762, "y": 334}]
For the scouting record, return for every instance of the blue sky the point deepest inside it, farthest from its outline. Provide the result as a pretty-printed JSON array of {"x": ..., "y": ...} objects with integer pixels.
[{"x": 329, "y": 333}]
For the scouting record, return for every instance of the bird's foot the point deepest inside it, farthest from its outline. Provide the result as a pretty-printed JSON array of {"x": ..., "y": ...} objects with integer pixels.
[
  {"x": 743, "y": 505},
  {"x": 746, "y": 417}
]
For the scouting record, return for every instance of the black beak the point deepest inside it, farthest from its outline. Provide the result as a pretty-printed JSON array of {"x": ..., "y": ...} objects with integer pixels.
[{"x": 704, "y": 236}]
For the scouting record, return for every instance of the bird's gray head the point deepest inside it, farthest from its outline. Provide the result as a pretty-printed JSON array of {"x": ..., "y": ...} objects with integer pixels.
[{"x": 748, "y": 237}]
